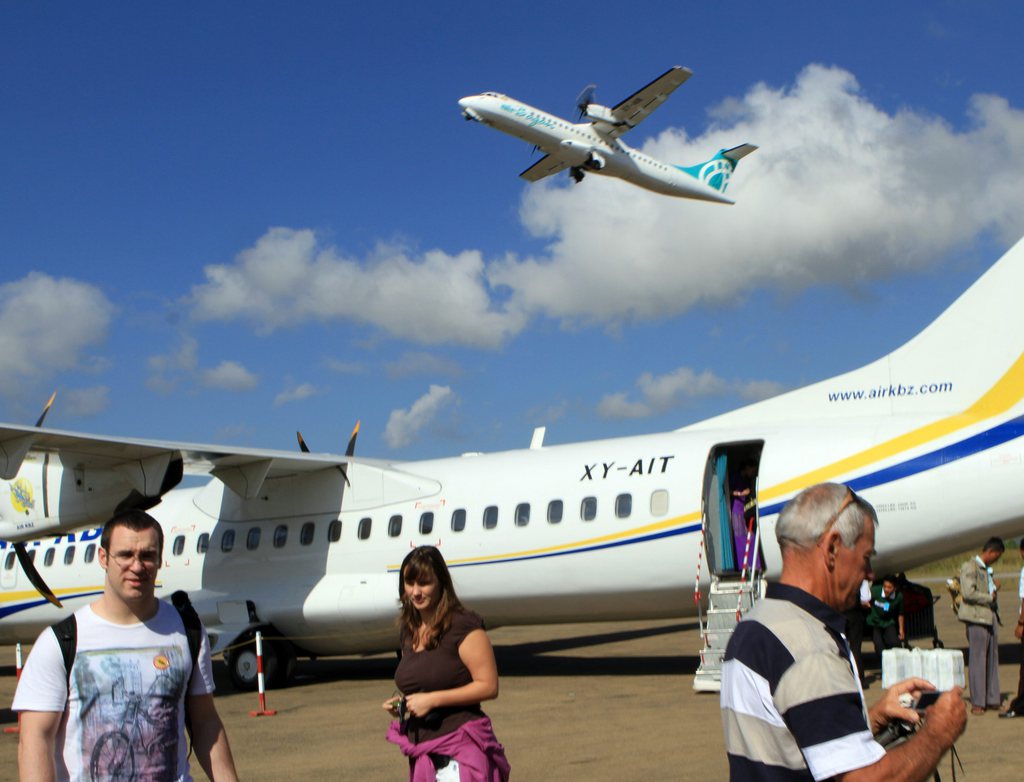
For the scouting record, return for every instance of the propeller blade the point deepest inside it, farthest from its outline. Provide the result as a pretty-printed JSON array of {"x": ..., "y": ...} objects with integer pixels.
[
  {"x": 27, "y": 566},
  {"x": 46, "y": 410},
  {"x": 585, "y": 98},
  {"x": 33, "y": 575},
  {"x": 350, "y": 451}
]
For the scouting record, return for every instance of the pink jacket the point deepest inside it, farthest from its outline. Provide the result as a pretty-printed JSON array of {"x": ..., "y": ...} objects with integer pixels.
[{"x": 481, "y": 758}]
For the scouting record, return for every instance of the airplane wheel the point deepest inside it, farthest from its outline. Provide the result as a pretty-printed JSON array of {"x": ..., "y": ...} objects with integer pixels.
[
  {"x": 242, "y": 663},
  {"x": 284, "y": 669}
]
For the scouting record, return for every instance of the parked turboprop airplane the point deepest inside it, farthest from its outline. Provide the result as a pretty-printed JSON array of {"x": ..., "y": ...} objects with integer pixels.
[
  {"x": 305, "y": 546},
  {"x": 595, "y": 145}
]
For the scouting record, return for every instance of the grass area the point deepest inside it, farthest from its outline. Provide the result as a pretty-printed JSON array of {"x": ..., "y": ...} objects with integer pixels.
[
  {"x": 947, "y": 567},
  {"x": 950, "y": 566}
]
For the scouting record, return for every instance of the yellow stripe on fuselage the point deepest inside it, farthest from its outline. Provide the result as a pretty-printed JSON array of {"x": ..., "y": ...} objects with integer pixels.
[
  {"x": 1007, "y": 392},
  {"x": 32, "y": 595}
]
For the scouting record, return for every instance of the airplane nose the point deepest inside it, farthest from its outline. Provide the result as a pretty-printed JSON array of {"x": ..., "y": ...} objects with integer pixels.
[{"x": 468, "y": 110}]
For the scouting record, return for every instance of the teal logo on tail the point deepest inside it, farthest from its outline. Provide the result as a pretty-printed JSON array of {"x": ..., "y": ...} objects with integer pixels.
[{"x": 717, "y": 172}]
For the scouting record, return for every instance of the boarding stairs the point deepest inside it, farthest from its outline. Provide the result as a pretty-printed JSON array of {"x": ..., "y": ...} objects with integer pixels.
[{"x": 730, "y": 596}]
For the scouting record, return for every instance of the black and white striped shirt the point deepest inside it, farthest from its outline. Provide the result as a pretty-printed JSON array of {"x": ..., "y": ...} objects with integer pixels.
[{"x": 792, "y": 706}]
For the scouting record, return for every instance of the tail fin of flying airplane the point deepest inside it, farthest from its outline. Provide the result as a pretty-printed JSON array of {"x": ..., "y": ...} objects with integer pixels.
[
  {"x": 717, "y": 172},
  {"x": 966, "y": 366}
]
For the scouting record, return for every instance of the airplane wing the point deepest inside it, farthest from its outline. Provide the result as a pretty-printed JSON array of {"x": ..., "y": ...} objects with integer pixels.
[
  {"x": 638, "y": 106},
  {"x": 149, "y": 467},
  {"x": 546, "y": 166}
]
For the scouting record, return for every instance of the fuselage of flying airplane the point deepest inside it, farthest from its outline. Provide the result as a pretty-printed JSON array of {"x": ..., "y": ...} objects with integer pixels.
[{"x": 595, "y": 146}]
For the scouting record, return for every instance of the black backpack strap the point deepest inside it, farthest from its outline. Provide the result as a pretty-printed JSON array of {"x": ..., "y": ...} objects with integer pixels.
[
  {"x": 194, "y": 634},
  {"x": 193, "y": 626},
  {"x": 66, "y": 631}
]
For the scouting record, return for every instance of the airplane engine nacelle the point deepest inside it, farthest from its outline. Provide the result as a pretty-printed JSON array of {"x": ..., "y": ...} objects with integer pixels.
[
  {"x": 48, "y": 497},
  {"x": 596, "y": 162},
  {"x": 576, "y": 153}
]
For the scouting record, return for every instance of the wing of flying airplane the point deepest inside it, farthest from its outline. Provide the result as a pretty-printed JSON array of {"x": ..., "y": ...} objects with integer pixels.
[
  {"x": 641, "y": 104},
  {"x": 546, "y": 166}
]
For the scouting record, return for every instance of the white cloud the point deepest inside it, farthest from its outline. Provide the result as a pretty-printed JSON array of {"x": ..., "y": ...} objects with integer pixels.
[
  {"x": 286, "y": 279},
  {"x": 167, "y": 370},
  {"x": 229, "y": 376},
  {"x": 47, "y": 325},
  {"x": 661, "y": 393},
  {"x": 84, "y": 402},
  {"x": 840, "y": 192},
  {"x": 405, "y": 425},
  {"x": 295, "y": 393},
  {"x": 419, "y": 363},
  {"x": 344, "y": 367}
]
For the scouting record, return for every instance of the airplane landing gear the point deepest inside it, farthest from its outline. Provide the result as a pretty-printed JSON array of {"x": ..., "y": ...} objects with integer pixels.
[
  {"x": 278, "y": 661},
  {"x": 576, "y": 172}
]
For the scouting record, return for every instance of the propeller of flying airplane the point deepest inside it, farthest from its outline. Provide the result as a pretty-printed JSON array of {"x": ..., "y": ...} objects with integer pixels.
[
  {"x": 27, "y": 565},
  {"x": 585, "y": 98},
  {"x": 349, "y": 451}
]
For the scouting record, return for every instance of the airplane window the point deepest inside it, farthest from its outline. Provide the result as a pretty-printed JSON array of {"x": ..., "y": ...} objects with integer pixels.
[
  {"x": 588, "y": 508},
  {"x": 458, "y": 520},
  {"x": 554, "y": 511},
  {"x": 227, "y": 540},
  {"x": 334, "y": 530},
  {"x": 395, "y": 526},
  {"x": 252, "y": 540},
  {"x": 69, "y": 555},
  {"x": 490, "y": 517},
  {"x": 9, "y": 564},
  {"x": 280, "y": 535},
  {"x": 48, "y": 557},
  {"x": 32, "y": 555},
  {"x": 364, "y": 528},
  {"x": 426, "y": 523},
  {"x": 522, "y": 514},
  {"x": 659, "y": 502},
  {"x": 90, "y": 552},
  {"x": 203, "y": 543},
  {"x": 179, "y": 545},
  {"x": 306, "y": 533},
  {"x": 623, "y": 506}
]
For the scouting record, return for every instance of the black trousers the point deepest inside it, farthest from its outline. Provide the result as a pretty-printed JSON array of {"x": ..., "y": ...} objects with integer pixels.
[{"x": 885, "y": 638}]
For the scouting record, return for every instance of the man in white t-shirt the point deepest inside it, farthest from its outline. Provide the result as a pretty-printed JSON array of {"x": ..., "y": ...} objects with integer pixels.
[{"x": 120, "y": 712}]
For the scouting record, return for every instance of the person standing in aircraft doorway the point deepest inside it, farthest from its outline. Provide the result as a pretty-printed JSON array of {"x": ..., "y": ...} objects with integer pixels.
[
  {"x": 446, "y": 670},
  {"x": 744, "y": 514}
]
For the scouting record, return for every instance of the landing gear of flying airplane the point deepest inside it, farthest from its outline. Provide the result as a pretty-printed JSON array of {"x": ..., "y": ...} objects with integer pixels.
[
  {"x": 278, "y": 660},
  {"x": 576, "y": 172}
]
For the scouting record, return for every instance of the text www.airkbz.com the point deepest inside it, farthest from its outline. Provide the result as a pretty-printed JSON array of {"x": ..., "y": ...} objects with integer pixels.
[{"x": 890, "y": 391}]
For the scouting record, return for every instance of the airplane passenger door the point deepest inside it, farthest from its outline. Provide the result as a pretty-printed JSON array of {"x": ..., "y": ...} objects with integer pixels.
[{"x": 730, "y": 478}]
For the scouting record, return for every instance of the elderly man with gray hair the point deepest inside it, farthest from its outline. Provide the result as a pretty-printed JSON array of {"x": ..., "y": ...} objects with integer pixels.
[{"x": 792, "y": 704}]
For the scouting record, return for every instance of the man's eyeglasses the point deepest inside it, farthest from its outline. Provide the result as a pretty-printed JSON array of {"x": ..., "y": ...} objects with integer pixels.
[{"x": 125, "y": 559}]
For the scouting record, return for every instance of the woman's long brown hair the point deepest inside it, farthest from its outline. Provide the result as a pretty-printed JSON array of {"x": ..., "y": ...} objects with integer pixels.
[{"x": 427, "y": 559}]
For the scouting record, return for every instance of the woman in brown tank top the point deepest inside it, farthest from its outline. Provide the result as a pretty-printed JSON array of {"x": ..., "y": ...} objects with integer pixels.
[{"x": 447, "y": 669}]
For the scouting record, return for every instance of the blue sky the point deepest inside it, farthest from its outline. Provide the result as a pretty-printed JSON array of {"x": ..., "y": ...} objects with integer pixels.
[{"x": 222, "y": 222}]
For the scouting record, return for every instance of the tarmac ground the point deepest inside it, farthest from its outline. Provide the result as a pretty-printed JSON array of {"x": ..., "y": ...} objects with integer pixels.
[{"x": 595, "y": 702}]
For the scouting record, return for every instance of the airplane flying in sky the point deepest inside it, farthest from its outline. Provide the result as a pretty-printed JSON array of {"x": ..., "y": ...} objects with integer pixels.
[
  {"x": 596, "y": 145},
  {"x": 306, "y": 546}
]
